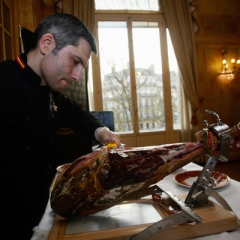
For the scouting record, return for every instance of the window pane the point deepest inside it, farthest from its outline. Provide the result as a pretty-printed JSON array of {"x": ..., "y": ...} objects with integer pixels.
[
  {"x": 148, "y": 70},
  {"x": 115, "y": 77},
  {"x": 175, "y": 85},
  {"x": 0, "y": 12},
  {"x": 6, "y": 20},
  {"x": 147, "y": 80},
  {"x": 1, "y": 46},
  {"x": 8, "y": 47},
  {"x": 147, "y": 5}
]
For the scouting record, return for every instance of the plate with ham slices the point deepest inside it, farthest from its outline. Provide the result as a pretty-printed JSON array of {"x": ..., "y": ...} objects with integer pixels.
[{"x": 187, "y": 178}]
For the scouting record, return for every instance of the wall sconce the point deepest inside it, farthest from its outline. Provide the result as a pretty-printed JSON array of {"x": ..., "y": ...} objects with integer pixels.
[{"x": 229, "y": 71}]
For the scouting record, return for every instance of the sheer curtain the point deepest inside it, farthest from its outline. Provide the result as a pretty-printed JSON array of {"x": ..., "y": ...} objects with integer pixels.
[{"x": 179, "y": 23}]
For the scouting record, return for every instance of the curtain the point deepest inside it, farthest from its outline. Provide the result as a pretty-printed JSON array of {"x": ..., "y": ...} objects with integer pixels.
[
  {"x": 84, "y": 10},
  {"x": 178, "y": 18}
]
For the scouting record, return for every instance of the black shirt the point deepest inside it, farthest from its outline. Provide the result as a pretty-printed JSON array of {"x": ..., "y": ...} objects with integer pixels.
[{"x": 30, "y": 117}]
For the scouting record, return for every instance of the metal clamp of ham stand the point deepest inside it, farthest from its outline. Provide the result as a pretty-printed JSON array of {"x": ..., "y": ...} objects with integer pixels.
[
  {"x": 200, "y": 190},
  {"x": 203, "y": 187},
  {"x": 183, "y": 215}
]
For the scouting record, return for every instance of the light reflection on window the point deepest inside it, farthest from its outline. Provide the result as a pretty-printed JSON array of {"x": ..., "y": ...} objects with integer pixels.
[{"x": 136, "y": 5}]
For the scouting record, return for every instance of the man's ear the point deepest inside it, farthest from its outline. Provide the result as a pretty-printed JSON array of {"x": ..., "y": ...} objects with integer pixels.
[{"x": 46, "y": 43}]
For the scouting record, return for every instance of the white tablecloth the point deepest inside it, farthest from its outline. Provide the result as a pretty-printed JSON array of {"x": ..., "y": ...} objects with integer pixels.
[{"x": 231, "y": 193}]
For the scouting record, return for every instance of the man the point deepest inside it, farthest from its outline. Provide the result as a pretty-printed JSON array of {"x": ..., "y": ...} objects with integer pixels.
[{"x": 33, "y": 109}]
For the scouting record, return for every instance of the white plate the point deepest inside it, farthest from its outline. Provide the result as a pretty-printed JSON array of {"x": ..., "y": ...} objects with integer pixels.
[{"x": 187, "y": 178}]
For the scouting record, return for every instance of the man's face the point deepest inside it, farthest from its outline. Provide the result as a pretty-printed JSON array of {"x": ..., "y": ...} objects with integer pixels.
[{"x": 66, "y": 66}]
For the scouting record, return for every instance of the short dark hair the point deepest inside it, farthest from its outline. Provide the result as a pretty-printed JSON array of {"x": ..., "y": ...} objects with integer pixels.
[{"x": 66, "y": 29}]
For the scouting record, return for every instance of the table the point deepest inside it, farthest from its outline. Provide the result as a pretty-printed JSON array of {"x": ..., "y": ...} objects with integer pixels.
[{"x": 231, "y": 193}]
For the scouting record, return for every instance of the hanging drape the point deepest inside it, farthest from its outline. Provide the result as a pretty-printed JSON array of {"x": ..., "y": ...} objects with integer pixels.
[
  {"x": 178, "y": 18},
  {"x": 84, "y": 10}
]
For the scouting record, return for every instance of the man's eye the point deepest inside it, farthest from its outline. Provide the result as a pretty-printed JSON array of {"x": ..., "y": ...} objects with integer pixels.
[{"x": 75, "y": 62}]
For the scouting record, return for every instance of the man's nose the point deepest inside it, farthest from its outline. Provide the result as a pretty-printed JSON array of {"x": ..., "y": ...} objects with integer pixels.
[{"x": 77, "y": 73}]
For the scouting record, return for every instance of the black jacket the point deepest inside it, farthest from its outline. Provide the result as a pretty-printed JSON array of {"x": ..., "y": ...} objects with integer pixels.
[{"x": 30, "y": 117}]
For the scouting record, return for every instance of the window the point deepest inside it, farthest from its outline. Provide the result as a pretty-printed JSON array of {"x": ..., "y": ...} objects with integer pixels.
[
  {"x": 147, "y": 5},
  {"x": 138, "y": 74},
  {"x": 5, "y": 31}
]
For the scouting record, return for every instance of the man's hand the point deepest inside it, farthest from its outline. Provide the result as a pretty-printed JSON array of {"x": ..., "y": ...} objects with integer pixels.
[{"x": 105, "y": 136}]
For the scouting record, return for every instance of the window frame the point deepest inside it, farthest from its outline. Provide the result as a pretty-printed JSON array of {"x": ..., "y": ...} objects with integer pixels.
[{"x": 119, "y": 16}]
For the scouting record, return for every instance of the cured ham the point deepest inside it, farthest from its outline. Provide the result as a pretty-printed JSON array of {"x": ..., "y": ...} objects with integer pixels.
[{"x": 102, "y": 179}]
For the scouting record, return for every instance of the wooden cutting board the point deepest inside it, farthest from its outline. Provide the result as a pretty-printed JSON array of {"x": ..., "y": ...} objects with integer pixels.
[{"x": 216, "y": 220}]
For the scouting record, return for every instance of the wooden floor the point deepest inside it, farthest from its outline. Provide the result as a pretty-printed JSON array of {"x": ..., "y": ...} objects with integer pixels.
[{"x": 232, "y": 169}]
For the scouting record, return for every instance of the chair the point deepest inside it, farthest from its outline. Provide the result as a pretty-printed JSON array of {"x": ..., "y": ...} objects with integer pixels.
[
  {"x": 107, "y": 118},
  {"x": 25, "y": 36}
]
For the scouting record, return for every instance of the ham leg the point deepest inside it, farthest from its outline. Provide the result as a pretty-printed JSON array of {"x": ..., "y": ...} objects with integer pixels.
[{"x": 100, "y": 180}]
